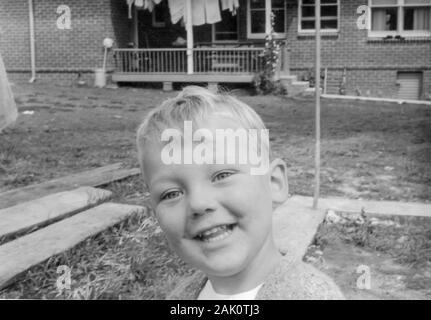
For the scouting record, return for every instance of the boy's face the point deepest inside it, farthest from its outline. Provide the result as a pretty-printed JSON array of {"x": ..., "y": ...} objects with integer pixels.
[{"x": 217, "y": 217}]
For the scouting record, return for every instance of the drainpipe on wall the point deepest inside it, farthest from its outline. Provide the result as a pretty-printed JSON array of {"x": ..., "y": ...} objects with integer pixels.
[{"x": 32, "y": 48}]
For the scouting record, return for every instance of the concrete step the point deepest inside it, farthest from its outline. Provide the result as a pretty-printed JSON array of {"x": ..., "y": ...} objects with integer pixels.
[
  {"x": 303, "y": 84},
  {"x": 286, "y": 80},
  {"x": 310, "y": 92},
  {"x": 296, "y": 88},
  {"x": 293, "y": 86}
]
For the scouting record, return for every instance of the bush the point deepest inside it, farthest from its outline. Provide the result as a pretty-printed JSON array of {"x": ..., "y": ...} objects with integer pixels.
[{"x": 263, "y": 81}]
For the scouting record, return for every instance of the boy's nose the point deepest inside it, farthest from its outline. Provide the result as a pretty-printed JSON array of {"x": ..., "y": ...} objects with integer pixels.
[{"x": 201, "y": 202}]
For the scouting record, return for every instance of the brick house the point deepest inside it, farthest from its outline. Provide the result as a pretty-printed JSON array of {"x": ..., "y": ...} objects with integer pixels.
[{"x": 384, "y": 50}]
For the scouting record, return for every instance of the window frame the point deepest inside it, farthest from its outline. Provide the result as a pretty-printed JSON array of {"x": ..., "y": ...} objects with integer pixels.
[
  {"x": 213, "y": 32},
  {"x": 400, "y": 23},
  {"x": 313, "y": 31},
  {"x": 268, "y": 10},
  {"x": 154, "y": 22}
]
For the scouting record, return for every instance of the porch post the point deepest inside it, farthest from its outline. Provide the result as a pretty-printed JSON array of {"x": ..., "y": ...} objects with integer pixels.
[
  {"x": 189, "y": 29},
  {"x": 135, "y": 28},
  {"x": 268, "y": 17}
]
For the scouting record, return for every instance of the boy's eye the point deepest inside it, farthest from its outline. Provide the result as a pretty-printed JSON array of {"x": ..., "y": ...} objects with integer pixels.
[
  {"x": 222, "y": 175},
  {"x": 170, "y": 195}
]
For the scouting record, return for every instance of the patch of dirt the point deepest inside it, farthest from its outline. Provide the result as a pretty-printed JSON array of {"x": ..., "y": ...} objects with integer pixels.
[{"x": 377, "y": 258}]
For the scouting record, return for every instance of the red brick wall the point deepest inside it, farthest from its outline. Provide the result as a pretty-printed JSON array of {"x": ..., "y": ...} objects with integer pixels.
[{"x": 64, "y": 51}]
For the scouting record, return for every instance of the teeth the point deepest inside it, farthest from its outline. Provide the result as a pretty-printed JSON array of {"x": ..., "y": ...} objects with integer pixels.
[
  {"x": 208, "y": 236},
  {"x": 219, "y": 237},
  {"x": 213, "y": 230}
]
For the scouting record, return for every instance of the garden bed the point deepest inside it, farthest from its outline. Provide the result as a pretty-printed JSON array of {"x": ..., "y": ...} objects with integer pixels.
[{"x": 395, "y": 251}]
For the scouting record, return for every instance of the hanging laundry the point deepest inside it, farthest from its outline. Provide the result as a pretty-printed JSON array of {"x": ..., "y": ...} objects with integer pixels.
[
  {"x": 203, "y": 11},
  {"x": 176, "y": 8},
  {"x": 232, "y": 5},
  {"x": 198, "y": 12},
  {"x": 129, "y": 4},
  {"x": 212, "y": 11},
  {"x": 149, "y": 5},
  {"x": 145, "y": 4}
]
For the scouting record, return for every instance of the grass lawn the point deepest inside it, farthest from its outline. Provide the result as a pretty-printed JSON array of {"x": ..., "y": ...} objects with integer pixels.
[{"x": 369, "y": 150}]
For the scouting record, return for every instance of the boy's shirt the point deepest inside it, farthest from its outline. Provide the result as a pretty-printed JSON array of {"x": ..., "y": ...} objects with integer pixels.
[
  {"x": 208, "y": 293},
  {"x": 292, "y": 280}
]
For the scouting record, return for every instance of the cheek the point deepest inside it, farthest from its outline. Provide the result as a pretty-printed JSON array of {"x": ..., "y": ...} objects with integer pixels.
[
  {"x": 252, "y": 200},
  {"x": 171, "y": 221}
]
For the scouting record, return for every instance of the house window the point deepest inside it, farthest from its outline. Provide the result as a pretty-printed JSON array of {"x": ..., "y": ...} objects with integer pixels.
[
  {"x": 259, "y": 14},
  {"x": 329, "y": 12},
  {"x": 158, "y": 15},
  {"x": 227, "y": 28},
  {"x": 400, "y": 17}
]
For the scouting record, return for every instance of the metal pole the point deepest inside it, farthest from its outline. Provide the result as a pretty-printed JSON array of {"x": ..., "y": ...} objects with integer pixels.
[
  {"x": 317, "y": 87},
  {"x": 32, "y": 46}
]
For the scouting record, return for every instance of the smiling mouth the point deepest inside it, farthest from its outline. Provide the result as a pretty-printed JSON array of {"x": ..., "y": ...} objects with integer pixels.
[{"x": 216, "y": 234}]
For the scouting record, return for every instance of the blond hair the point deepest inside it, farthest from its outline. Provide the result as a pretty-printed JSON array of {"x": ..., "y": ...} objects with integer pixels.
[{"x": 195, "y": 104}]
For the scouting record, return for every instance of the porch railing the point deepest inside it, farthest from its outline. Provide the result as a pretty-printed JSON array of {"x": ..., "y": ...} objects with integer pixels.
[{"x": 174, "y": 60}]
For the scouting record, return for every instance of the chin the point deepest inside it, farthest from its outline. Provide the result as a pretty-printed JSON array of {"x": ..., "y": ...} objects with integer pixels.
[{"x": 224, "y": 266}]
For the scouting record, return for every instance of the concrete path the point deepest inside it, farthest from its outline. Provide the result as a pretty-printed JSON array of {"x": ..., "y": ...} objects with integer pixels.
[
  {"x": 371, "y": 206},
  {"x": 295, "y": 224}
]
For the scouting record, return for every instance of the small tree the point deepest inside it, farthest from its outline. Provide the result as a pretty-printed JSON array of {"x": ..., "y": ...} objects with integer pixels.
[{"x": 264, "y": 81}]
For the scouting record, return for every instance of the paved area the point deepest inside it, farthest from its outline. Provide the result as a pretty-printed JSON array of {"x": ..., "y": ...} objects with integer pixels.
[{"x": 295, "y": 224}]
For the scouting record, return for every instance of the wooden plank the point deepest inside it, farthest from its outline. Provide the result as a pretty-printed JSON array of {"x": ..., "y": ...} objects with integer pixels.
[
  {"x": 19, "y": 255},
  {"x": 90, "y": 178},
  {"x": 43, "y": 211}
]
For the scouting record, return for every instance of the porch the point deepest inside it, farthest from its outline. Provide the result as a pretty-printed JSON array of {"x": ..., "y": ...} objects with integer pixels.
[{"x": 209, "y": 64}]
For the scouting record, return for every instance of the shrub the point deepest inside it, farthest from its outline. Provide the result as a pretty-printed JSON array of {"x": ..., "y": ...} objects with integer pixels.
[{"x": 263, "y": 81}]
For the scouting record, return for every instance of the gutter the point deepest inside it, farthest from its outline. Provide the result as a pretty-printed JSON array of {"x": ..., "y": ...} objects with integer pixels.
[{"x": 32, "y": 47}]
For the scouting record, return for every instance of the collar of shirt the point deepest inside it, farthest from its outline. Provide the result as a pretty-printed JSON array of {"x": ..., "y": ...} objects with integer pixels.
[{"x": 208, "y": 293}]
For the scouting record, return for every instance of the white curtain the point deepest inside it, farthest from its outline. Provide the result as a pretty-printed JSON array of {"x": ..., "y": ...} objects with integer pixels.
[
  {"x": 421, "y": 19},
  {"x": 379, "y": 20}
]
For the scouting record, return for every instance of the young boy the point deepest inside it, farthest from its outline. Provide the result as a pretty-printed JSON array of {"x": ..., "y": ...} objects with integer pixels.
[{"x": 215, "y": 203}]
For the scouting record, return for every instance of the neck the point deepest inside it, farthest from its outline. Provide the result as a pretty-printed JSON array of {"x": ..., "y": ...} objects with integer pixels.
[{"x": 253, "y": 275}]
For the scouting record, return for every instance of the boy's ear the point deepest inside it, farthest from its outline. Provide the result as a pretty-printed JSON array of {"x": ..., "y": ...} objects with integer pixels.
[{"x": 279, "y": 183}]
